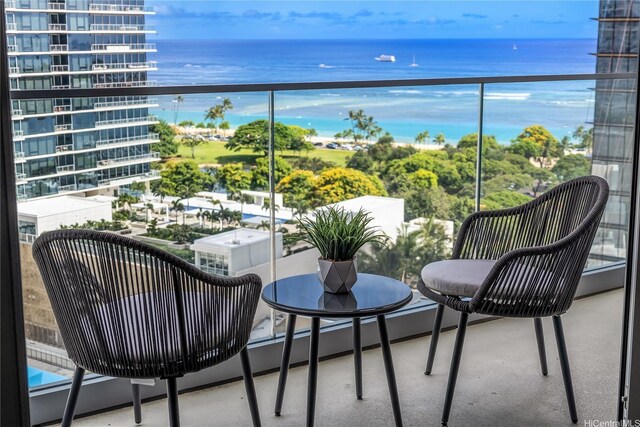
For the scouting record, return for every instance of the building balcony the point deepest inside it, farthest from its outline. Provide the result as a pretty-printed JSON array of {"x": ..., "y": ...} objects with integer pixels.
[
  {"x": 127, "y": 121},
  {"x": 147, "y": 47},
  {"x": 120, "y": 8},
  {"x": 16, "y": 114},
  {"x": 499, "y": 382},
  {"x": 57, "y": 27},
  {"x": 125, "y": 103},
  {"x": 26, "y": 237},
  {"x": 56, "y": 6},
  {"x": 18, "y": 135},
  {"x": 61, "y": 108},
  {"x": 59, "y": 68},
  {"x": 113, "y": 182},
  {"x": 121, "y": 28},
  {"x": 19, "y": 157},
  {"x": 121, "y": 161},
  {"x": 65, "y": 168},
  {"x": 21, "y": 178},
  {"x": 59, "y": 87},
  {"x": 63, "y": 128},
  {"x": 63, "y": 148},
  {"x": 59, "y": 47},
  {"x": 12, "y": 48},
  {"x": 131, "y": 66},
  {"x": 67, "y": 188},
  {"x": 150, "y": 138},
  {"x": 145, "y": 83},
  {"x": 12, "y": 26}
]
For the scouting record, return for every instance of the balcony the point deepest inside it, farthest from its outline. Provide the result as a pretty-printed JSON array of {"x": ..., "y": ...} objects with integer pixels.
[
  {"x": 63, "y": 148},
  {"x": 26, "y": 237},
  {"x": 12, "y": 48},
  {"x": 16, "y": 114},
  {"x": 125, "y": 103},
  {"x": 128, "y": 120},
  {"x": 145, "y": 83},
  {"x": 21, "y": 178},
  {"x": 67, "y": 188},
  {"x": 59, "y": 68},
  {"x": 63, "y": 128},
  {"x": 12, "y": 26},
  {"x": 123, "y": 47},
  {"x": 19, "y": 157},
  {"x": 132, "y": 66},
  {"x": 60, "y": 87},
  {"x": 111, "y": 182},
  {"x": 129, "y": 141},
  {"x": 18, "y": 135},
  {"x": 109, "y": 163},
  {"x": 56, "y": 6},
  {"x": 58, "y": 47},
  {"x": 119, "y": 28},
  {"x": 65, "y": 168},
  {"x": 496, "y": 378},
  {"x": 115, "y": 8},
  {"x": 61, "y": 108},
  {"x": 58, "y": 27}
]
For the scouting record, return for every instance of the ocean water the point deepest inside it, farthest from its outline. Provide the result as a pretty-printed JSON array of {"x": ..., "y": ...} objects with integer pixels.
[{"x": 402, "y": 111}]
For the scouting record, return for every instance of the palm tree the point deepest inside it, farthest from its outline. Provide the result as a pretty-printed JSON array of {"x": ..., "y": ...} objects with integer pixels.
[
  {"x": 422, "y": 137},
  {"x": 176, "y": 106},
  {"x": 264, "y": 225},
  {"x": 214, "y": 114},
  {"x": 439, "y": 139},
  {"x": 564, "y": 145},
  {"x": 224, "y": 127},
  {"x": 585, "y": 137},
  {"x": 177, "y": 206},
  {"x": 192, "y": 141}
]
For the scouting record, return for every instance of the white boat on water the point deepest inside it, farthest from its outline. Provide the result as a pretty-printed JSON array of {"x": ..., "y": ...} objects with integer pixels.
[
  {"x": 515, "y": 47},
  {"x": 413, "y": 64},
  {"x": 385, "y": 58}
]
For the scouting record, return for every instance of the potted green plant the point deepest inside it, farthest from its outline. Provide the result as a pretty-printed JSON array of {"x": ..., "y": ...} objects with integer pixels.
[{"x": 338, "y": 235}]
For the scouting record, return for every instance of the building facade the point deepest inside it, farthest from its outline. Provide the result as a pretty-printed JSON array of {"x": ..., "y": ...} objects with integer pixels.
[
  {"x": 80, "y": 145},
  {"x": 613, "y": 124}
]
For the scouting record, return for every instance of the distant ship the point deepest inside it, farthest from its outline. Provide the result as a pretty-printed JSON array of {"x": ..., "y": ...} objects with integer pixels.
[
  {"x": 413, "y": 64},
  {"x": 385, "y": 58},
  {"x": 515, "y": 47}
]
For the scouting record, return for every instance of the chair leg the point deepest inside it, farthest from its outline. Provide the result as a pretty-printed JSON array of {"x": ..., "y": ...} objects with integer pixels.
[
  {"x": 455, "y": 364},
  {"x": 172, "y": 398},
  {"x": 250, "y": 387},
  {"x": 537, "y": 322},
  {"x": 137, "y": 406},
  {"x": 435, "y": 335},
  {"x": 70, "y": 408},
  {"x": 564, "y": 365}
]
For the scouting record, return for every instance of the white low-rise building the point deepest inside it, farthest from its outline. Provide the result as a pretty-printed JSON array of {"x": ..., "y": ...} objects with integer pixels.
[
  {"x": 228, "y": 253},
  {"x": 387, "y": 212},
  {"x": 37, "y": 216}
]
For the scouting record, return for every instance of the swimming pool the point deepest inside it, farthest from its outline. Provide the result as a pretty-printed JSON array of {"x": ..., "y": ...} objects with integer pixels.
[{"x": 38, "y": 377}]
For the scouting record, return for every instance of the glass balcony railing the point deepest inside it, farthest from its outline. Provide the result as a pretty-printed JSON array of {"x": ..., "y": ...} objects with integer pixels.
[{"x": 419, "y": 156}]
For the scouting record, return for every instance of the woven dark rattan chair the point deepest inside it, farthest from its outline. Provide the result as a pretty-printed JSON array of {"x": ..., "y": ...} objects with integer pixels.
[
  {"x": 520, "y": 262},
  {"x": 126, "y": 309}
]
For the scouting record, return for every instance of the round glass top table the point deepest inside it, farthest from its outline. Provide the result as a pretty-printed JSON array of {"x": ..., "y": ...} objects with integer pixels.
[{"x": 303, "y": 295}]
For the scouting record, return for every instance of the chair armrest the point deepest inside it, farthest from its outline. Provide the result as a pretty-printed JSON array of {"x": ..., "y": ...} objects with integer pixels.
[{"x": 535, "y": 281}]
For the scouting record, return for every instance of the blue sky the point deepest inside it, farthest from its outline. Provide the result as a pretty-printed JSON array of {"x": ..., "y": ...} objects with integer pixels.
[{"x": 185, "y": 19}]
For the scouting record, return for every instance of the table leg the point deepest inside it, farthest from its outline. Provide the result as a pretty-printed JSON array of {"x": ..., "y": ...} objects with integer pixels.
[
  {"x": 313, "y": 370},
  {"x": 388, "y": 366},
  {"x": 357, "y": 356},
  {"x": 284, "y": 364}
]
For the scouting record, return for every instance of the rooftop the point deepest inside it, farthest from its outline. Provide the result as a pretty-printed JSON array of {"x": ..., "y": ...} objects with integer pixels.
[
  {"x": 231, "y": 239},
  {"x": 57, "y": 206}
]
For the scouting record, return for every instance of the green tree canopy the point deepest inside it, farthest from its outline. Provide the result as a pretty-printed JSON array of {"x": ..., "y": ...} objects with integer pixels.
[
  {"x": 338, "y": 184},
  {"x": 503, "y": 199},
  {"x": 167, "y": 147},
  {"x": 260, "y": 174},
  {"x": 255, "y": 136},
  {"x": 296, "y": 188},
  {"x": 175, "y": 176},
  {"x": 313, "y": 164},
  {"x": 233, "y": 178},
  {"x": 571, "y": 166},
  {"x": 192, "y": 141}
]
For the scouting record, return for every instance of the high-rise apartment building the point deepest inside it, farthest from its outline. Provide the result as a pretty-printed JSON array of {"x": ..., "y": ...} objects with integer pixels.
[
  {"x": 65, "y": 145},
  {"x": 614, "y": 118}
]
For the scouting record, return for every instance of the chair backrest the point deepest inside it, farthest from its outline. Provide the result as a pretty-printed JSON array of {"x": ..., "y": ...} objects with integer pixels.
[
  {"x": 550, "y": 240},
  {"x": 127, "y": 309}
]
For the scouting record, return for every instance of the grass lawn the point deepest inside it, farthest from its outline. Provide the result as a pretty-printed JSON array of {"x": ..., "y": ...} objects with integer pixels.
[{"x": 214, "y": 152}]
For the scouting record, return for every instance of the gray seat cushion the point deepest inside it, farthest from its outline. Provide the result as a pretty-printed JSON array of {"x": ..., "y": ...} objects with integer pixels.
[{"x": 458, "y": 277}]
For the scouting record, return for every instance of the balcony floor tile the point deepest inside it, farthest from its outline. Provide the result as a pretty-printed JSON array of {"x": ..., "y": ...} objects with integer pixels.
[{"x": 499, "y": 381}]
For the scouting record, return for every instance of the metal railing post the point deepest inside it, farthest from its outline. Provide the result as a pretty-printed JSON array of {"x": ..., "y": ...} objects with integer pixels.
[
  {"x": 479, "y": 147},
  {"x": 272, "y": 196}
]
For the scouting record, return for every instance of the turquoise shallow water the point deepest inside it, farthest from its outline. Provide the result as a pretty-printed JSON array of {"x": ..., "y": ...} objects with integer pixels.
[{"x": 404, "y": 111}]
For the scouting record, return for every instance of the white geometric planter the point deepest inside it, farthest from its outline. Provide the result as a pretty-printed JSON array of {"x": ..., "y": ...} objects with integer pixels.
[{"x": 337, "y": 277}]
